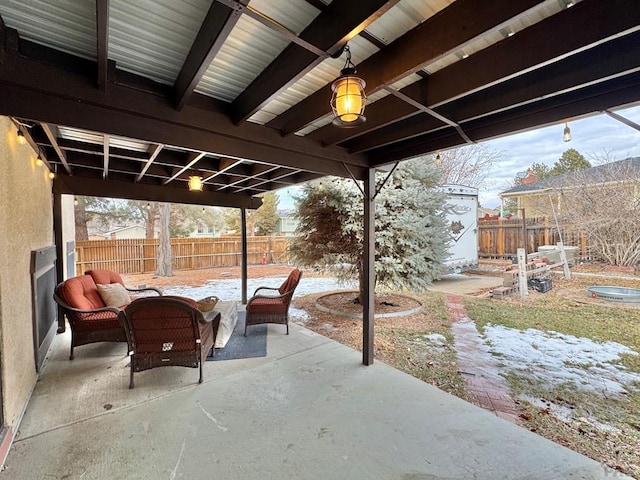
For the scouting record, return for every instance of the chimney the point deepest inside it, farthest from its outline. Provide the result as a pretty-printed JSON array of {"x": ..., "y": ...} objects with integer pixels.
[{"x": 530, "y": 178}]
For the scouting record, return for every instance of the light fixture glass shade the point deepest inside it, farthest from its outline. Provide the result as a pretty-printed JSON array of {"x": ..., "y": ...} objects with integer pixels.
[
  {"x": 21, "y": 139},
  {"x": 348, "y": 100},
  {"x": 566, "y": 136},
  {"x": 195, "y": 183}
]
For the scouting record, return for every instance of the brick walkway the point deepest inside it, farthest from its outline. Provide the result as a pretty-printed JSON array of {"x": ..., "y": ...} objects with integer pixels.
[{"x": 478, "y": 367}]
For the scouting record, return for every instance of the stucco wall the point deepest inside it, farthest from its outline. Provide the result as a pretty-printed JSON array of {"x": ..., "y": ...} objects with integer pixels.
[{"x": 26, "y": 223}]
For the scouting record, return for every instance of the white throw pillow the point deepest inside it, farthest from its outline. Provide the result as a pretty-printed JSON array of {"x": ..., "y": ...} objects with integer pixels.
[{"x": 114, "y": 295}]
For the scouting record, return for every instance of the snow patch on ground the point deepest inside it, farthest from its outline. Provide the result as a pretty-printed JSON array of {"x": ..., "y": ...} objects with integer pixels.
[
  {"x": 557, "y": 359},
  {"x": 565, "y": 414},
  {"x": 436, "y": 339},
  {"x": 231, "y": 289}
]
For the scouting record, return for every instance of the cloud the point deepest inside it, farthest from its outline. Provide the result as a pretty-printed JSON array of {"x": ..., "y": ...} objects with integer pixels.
[{"x": 590, "y": 136}]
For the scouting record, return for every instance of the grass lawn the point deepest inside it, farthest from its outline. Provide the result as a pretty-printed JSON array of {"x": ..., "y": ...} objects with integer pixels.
[{"x": 605, "y": 427}]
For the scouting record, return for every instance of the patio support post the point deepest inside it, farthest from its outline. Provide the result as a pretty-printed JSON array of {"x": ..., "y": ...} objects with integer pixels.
[
  {"x": 57, "y": 236},
  {"x": 243, "y": 265},
  {"x": 368, "y": 263}
]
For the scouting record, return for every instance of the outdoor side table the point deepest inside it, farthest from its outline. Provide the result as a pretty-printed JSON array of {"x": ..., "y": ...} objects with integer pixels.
[{"x": 228, "y": 311}]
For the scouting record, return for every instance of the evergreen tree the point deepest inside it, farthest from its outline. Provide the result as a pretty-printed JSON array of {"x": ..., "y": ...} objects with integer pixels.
[
  {"x": 261, "y": 221},
  {"x": 411, "y": 239},
  {"x": 266, "y": 216},
  {"x": 570, "y": 161}
]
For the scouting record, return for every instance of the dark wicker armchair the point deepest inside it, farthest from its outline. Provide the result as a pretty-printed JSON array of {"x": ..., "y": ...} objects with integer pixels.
[
  {"x": 167, "y": 331},
  {"x": 272, "y": 308},
  {"x": 90, "y": 319}
]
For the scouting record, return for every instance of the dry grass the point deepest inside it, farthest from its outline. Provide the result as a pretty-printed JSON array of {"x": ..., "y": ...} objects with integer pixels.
[{"x": 568, "y": 309}]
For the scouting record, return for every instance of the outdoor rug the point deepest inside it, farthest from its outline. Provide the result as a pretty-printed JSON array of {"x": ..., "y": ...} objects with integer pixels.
[{"x": 239, "y": 346}]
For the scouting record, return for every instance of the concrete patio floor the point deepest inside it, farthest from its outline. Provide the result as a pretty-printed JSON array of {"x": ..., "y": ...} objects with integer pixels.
[{"x": 308, "y": 410}]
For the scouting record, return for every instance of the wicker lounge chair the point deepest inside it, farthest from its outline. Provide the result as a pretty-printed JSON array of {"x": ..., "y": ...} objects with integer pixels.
[
  {"x": 272, "y": 308},
  {"x": 167, "y": 331}
]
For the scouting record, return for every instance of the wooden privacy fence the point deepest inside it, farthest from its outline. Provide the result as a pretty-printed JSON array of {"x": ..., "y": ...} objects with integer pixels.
[
  {"x": 140, "y": 255},
  {"x": 502, "y": 238}
]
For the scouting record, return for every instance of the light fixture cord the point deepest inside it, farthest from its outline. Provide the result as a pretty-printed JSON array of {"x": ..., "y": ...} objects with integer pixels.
[{"x": 348, "y": 63}]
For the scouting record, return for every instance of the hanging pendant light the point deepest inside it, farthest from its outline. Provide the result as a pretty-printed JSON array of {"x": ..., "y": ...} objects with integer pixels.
[
  {"x": 566, "y": 136},
  {"x": 348, "y": 99},
  {"x": 195, "y": 183}
]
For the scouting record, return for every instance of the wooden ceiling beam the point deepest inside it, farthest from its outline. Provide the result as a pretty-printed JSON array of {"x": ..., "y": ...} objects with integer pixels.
[
  {"x": 256, "y": 171},
  {"x": 51, "y": 131},
  {"x": 225, "y": 165},
  {"x": 556, "y": 39},
  {"x": 595, "y": 98},
  {"x": 42, "y": 92},
  {"x": 427, "y": 42},
  {"x": 102, "y": 42},
  {"x": 569, "y": 32},
  {"x": 154, "y": 151},
  {"x": 121, "y": 189},
  {"x": 79, "y": 160},
  {"x": 610, "y": 60},
  {"x": 332, "y": 28},
  {"x": 195, "y": 158},
  {"x": 215, "y": 29}
]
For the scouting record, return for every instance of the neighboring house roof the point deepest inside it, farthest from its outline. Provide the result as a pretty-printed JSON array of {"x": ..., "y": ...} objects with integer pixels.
[
  {"x": 122, "y": 229},
  {"x": 587, "y": 176},
  {"x": 286, "y": 213}
]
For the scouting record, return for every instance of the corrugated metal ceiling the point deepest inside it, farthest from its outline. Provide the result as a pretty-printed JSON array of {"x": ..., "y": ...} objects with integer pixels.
[
  {"x": 66, "y": 25},
  {"x": 153, "y": 37}
]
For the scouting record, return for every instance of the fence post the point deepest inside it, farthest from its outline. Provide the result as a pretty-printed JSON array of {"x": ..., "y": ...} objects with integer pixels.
[
  {"x": 546, "y": 231},
  {"x": 500, "y": 240}
]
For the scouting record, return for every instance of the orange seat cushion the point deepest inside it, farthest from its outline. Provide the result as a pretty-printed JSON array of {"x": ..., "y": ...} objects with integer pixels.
[
  {"x": 104, "y": 277},
  {"x": 81, "y": 292}
]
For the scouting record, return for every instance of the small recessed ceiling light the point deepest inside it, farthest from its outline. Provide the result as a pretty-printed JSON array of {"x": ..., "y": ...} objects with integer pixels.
[{"x": 465, "y": 55}]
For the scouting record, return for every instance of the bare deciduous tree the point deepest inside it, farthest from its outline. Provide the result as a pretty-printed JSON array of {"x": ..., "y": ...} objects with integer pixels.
[
  {"x": 467, "y": 165},
  {"x": 604, "y": 203}
]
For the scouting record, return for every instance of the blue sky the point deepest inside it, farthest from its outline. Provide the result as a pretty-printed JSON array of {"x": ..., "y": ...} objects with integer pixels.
[{"x": 590, "y": 136}]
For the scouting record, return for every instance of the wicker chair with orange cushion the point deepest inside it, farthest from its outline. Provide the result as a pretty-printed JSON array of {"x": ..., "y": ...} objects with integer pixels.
[
  {"x": 272, "y": 308},
  {"x": 167, "y": 331},
  {"x": 93, "y": 310},
  {"x": 89, "y": 318}
]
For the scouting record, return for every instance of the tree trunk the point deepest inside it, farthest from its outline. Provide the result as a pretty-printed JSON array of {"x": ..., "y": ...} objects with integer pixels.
[
  {"x": 164, "y": 248},
  {"x": 80, "y": 219},
  {"x": 150, "y": 225}
]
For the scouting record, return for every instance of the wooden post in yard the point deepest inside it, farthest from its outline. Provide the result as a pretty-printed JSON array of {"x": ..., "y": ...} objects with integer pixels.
[
  {"x": 565, "y": 263},
  {"x": 522, "y": 273}
]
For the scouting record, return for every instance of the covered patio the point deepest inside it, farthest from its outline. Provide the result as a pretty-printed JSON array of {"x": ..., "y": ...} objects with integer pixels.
[
  {"x": 131, "y": 99},
  {"x": 308, "y": 410}
]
